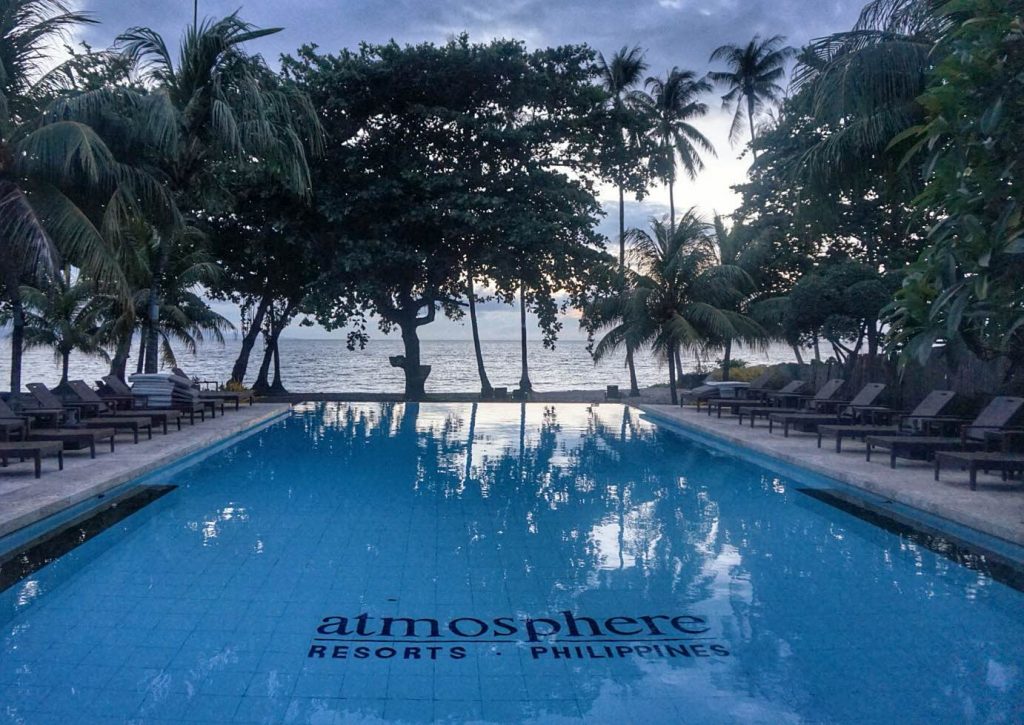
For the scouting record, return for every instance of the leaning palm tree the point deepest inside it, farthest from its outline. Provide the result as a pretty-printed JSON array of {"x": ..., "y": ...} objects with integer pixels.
[
  {"x": 753, "y": 79},
  {"x": 45, "y": 160},
  {"x": 214, "y": 105},
  {"x": 620, "y": 77},
  {"x": 681, "y": 296},
  {"x": 738, "y": 248},
  {"x": 672, "y": 103},
  {"x": 66, "y": 317}
]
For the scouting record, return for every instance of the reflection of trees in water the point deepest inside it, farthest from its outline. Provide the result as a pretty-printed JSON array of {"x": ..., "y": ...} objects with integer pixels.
[{"x": 577, "y": 513}]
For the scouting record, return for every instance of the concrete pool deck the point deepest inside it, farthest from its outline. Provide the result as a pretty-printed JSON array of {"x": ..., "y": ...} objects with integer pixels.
[
  {"x": 25, "y": 500},
  {"x": 996, "y": 508}
]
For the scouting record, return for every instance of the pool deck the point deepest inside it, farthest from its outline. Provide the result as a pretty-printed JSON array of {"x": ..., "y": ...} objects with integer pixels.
[
  {"x": 25, "y": 500},
  {"x": 996, "y": 508}
]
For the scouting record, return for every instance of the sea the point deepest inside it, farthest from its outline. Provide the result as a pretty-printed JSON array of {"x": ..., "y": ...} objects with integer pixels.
[{"x": 327, "y": 366}]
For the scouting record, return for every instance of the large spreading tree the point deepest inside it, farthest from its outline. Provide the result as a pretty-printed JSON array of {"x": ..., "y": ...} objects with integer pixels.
[{"x": 447, "y": 163}]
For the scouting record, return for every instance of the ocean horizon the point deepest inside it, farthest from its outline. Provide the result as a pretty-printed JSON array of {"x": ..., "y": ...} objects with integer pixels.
[{"x": 311, "y": 365}]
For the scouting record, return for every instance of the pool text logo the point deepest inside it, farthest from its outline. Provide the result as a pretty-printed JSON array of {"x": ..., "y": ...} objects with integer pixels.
[{"x": 563, "y": 636}]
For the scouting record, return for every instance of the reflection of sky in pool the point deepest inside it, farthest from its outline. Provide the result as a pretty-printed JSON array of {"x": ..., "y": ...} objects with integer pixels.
[{"x": 205, "y": 606}]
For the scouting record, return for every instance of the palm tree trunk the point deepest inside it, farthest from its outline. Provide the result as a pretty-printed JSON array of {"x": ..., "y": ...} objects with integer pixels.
[
  {"x": 17, "y": 338},
  {"x": 249, "y": 340},
  {"x": 679, "y": 363},
  {"x": 65, "y": 358},
  {"x": 671, "y": 204},
  {"x": 153, "y": 341},
  {"x": 634, "y": 389},
  {"x": 524, "y": 379},
  {"x": 672, "y": 374},
  {"x": 622, "y": 229},
  {"x": 121, "y": 354},
  {"x": 726, "y": 358},
  {"x": 750, "y": 118},
  {"x": 143, "y": 341},
  {"x": 486, "y": 391}
]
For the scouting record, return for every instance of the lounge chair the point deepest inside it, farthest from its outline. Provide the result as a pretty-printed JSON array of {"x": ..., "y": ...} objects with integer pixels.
[
  {"x": 848, "y": 411},
  {"x": 49, "y": 399},
  {"x": 925, "y": 418},
  {"x": 1008, "y": 463},
  {"x": 113, "y": 385},
  {"x": 825, "y": 393},
  {"x": 131, "y": 424},
  {"x": 997, "y": 415},
  {"x": 223, "y": 395},
  {"x": 31, "y": 410},
  {"x": 792, "y": 388},
  {"x": 157, "y": 417},
  {"x": 75, "y": 438},
  {"x": 10, "y": 422},
  {"x": 34, "y": 450}
]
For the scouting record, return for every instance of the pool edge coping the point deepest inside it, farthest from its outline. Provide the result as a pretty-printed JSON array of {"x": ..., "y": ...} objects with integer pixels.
[
  {"x": 980, "y": 526},
  {"x": 139, "y": 473}
]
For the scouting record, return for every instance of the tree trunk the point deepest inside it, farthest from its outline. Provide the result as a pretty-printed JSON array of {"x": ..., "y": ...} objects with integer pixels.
[
  {"x": 796, "y": 353},
  {"x": 726, "y": 359},
  {"x": 671, "y": 203},
  {"x": 120, "y": 362},
  {"x": 249, "y": 340},
  {"x": 622, "y": 230},
  {"x": 486, "y": 391},
  {"x": 524, "y": 380},
  {"x": 65, "y": 358},
  {"x": 634, "y": 389},
  {"x": 817, "y": 348},
  {"x": 415, "y": 378},
  {"x": 277, "y": 387},
  {"x": 679, "y": 363},
  {"x": 672, "y": 374},
  {"x": 750, "y": 118},
  {"x": 152, "y": 363},
  {"x": 143, "y": 339},
  {"x": 17, "y": 340},
  {"x": 153, "y": 341},
  {"x": 262, "y": 385}
]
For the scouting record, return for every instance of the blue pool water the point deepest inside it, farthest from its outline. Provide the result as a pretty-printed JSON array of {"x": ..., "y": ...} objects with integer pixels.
[{"x": 367, "y": 563}]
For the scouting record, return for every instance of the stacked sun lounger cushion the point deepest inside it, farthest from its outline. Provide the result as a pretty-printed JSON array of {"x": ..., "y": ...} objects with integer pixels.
[{"x": 164, "y": 391}]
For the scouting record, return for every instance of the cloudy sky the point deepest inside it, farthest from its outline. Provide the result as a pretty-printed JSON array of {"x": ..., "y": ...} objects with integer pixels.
[{"x": 673, "y": 32}]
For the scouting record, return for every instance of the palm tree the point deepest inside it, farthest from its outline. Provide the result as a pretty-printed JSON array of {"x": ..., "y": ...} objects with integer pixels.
[
  {"x": 672, "y": 103},
  {"x": 753, "y": 79},
  {"x": 737, "y": 248},
  {"x": 620, "y": 77},
  {"x": 67, "y": 317},
  {"x": 864, "y": 84},
  {"x": 43, "y": 158},
  {"x": 681, "y": 297},
  {"x": 214, "y": 105}
]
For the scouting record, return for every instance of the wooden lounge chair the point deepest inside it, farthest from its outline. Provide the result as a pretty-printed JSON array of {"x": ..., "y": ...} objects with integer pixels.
[
  {"x": 229, "y": 396},
  {"x": 925, "y": 418},
  {"x": 10, "y": 422},
  {"x": 867, "y": 396},
  {"x": 157, "y": 417},
  {"x": 792, "y": 388},
  {"x": 75, "y": 438},
  {"x": 1007, "y": 463},
  {"x": 49, "y": 399},
  {"x": 121, "y": 423},
  {"x": 113, "y": 385},
  {"x": 826, "y": 392},
  {"x": 29, "y": 408},
  {"x": 34, "y": 450},
  {"x": 997, "y": 415}
]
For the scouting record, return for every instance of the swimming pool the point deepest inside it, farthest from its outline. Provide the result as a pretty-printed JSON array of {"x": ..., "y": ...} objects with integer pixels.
[{"x": 501, "y": 563}]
